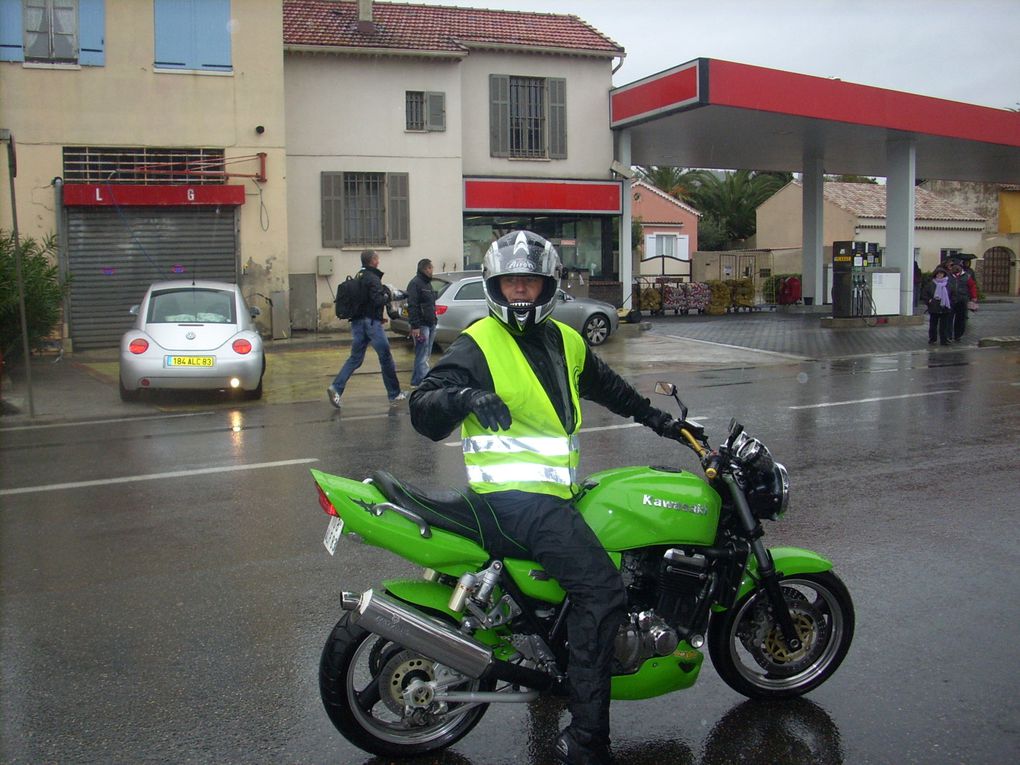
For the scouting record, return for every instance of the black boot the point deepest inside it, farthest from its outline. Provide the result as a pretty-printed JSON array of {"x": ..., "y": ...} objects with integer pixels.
[{"x": 575, "y": 747}]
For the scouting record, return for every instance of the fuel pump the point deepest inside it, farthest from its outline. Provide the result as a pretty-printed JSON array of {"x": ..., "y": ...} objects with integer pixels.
[{"x": 860, "y": 285}]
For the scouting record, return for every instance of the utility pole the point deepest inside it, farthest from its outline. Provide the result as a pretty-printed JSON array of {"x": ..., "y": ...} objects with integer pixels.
[{"x": 12, "y": 167}]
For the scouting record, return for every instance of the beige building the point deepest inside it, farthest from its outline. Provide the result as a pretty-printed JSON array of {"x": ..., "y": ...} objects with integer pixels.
[
  {"x": 425, "y": 132},
  {"x": 150, "y": 137},
  {"x": 856, "y": 211}
]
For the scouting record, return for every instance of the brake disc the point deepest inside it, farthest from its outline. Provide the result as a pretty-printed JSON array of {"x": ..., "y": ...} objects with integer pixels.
[
  {"x": 768, "y": 647},
  {"x": 400, "y": 671}
]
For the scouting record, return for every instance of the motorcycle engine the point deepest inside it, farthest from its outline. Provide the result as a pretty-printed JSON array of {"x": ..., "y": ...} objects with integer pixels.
[
  {"x": 665, "y": 588},
  {"x": 645, "y": 635}
]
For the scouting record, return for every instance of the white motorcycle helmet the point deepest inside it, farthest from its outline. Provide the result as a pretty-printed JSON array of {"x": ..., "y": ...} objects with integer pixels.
[{"x": 526, "y": 254}]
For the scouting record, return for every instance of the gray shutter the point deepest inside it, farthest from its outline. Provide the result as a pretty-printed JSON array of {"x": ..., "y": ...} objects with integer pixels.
[
  {"x": 332, "y": 209},
  {"x": 499, "y": 115},
  {"x": 114, "y": 255},
  {"x": 435, "y": 111},
  {"x": 398, "y": 210},
  {"x": 557, "y": 118}
]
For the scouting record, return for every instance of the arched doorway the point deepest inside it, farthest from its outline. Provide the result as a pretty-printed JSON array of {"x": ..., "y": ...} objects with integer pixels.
[{"x": 995, "y": 275}]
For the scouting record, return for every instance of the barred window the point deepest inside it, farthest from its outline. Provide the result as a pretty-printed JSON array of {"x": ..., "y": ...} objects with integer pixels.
[
  {"x": 362, "y": 209},
  {"x": 527, "y": 117},
  {"x": 425, "y": 110},
  {"x": 139, "y": 164}
]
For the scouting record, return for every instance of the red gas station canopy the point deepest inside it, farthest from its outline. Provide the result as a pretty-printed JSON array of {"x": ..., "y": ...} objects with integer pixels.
[{"x": 719, "y": 114}]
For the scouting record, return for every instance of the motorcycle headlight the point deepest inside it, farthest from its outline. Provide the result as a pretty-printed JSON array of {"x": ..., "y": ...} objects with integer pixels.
[{"x": 781, "y": 488}]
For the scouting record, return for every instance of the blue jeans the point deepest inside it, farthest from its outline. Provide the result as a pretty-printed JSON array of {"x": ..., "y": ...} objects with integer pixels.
[
  {"x": 369, "y": 332},
  {"x": 422, "y": 351}
]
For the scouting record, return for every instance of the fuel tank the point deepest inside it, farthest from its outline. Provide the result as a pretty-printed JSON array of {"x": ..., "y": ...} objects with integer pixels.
[{"x": 640, "y": 506}]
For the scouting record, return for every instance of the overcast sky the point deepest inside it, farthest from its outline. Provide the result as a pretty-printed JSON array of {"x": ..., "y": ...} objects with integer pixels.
[{"x": 963, "y": 50}]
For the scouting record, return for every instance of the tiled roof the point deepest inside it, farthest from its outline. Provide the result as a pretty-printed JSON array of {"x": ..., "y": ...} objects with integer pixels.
[
  {"x": 867, "y": 200},
  {"x": 667, "y": 197},
  {"x": 437, "y": 29}
]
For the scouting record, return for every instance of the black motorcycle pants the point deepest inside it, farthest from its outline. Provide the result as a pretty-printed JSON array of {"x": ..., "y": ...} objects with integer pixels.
[{"x": 557, "y": 537}]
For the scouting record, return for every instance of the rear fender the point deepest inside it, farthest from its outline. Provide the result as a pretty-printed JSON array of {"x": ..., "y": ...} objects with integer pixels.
[
  {"x": 788, "y": 561},
  {"x": 355, "y": 502}
]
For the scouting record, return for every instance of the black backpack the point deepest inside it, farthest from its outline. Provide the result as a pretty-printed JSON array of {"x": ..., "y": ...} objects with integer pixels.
[{"x": 349, "y": 297}]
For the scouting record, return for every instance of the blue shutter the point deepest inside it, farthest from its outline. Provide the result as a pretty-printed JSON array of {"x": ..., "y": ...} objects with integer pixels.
[
  {"x": 91, "y": 32},
  {"x": 11, "y": 31},
  {"x": 173, "y": 34},
  {"x": 212, "y": 35},
  {"x": 193, "y": 34}
]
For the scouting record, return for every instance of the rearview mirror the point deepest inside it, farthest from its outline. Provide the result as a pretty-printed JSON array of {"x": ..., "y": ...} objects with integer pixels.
[
  {"x": 133, "y": 310},
  {"x": 665, "y": 388}
]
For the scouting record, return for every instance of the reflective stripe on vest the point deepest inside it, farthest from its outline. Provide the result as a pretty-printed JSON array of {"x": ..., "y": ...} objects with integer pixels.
[{"x": 536, "y": 454}]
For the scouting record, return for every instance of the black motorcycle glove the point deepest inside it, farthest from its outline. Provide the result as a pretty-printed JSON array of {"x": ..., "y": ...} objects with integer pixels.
[
  {"x": 489, "y": 408},
  {"x": 668, "y": 426}
]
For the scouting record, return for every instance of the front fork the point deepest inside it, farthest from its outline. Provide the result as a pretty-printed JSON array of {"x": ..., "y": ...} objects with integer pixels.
[{"x": 766, "y": 566}]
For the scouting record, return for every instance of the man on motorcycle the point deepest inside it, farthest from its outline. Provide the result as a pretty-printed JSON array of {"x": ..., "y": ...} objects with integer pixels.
[{"x": 514, "y": 381}]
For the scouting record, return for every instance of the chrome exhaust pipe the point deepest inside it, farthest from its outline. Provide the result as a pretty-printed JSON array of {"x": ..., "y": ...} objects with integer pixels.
[{"x": 396, "y": 621}]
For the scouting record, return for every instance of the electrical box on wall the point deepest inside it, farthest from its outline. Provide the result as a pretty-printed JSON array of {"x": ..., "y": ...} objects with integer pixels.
[{"x": 324, "y": 265}]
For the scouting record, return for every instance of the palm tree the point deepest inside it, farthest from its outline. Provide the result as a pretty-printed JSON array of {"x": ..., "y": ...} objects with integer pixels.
[
  {"x": 678, "y": 182},
  {"x": 728, "y": 202}
]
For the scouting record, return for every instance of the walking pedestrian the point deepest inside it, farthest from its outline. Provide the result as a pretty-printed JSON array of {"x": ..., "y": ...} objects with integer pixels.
[
  {"x": 421, "y": 315},
  {"x": 367, "y": 329}
]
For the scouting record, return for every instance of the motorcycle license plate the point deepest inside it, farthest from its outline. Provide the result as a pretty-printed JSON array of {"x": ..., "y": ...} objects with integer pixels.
[{"x": 333, "y": 532}]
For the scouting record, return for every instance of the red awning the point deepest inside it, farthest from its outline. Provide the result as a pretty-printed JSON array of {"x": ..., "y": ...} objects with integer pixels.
[{"x": 128, "y": 195}]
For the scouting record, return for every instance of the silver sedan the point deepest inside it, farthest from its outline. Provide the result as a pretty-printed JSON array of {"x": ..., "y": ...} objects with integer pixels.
[
  {"x": 193, "y": 335},
  {"x": 461, "y": 302}
]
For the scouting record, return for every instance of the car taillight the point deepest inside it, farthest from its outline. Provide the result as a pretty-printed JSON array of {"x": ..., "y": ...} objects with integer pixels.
[
  {"x": 441, "y": 309},
  {"x": 324, "y": 502},
  {"x": 242, "y": 346},
  {"x": 138, "y": 345}
]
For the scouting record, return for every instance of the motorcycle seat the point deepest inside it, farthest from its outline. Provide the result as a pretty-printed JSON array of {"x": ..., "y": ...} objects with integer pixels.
[{"x": 452, "y": 511}]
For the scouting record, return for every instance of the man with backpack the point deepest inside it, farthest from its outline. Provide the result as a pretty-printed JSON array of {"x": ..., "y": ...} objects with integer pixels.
[{"x": 366, "y": 329}]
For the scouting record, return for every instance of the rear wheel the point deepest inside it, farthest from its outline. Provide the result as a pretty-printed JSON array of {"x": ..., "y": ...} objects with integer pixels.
[
  {"x": 596, "y": 329},
  {"x": 750, "y": 654},
  {"x": 366, "y": 683}
]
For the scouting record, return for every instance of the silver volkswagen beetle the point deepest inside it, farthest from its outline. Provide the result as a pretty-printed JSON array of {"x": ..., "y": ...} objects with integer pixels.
[
  {"x": 461, "y": 302},
  {"x": 192, "y": 335}
]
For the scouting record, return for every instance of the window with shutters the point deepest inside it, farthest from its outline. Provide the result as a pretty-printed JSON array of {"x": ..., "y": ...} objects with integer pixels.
[
  {"x": 426, "y": 111},
  {"x": 527, "y": 117},
  {"x": 193, "y": 35},
  {"x": 365, "y": 209},
  {"x": 68, "y": 32}
]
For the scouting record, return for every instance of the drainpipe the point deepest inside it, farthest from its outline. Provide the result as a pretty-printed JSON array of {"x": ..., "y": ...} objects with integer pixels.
[{"x": 63, "y": 262}]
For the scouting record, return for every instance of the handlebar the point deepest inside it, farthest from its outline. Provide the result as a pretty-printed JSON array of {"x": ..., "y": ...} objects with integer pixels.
[{"x": 709, "y": 459}]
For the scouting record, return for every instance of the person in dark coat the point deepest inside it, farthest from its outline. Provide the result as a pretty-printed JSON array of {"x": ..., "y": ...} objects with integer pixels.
[
  {"x": 964, "y": 293},
  {"x": 421, "y": 315},
  {"x": 937, "y": 295}
]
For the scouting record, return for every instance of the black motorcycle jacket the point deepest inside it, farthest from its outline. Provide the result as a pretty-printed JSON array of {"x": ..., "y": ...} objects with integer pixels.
[{"x": 436, "y": 410}]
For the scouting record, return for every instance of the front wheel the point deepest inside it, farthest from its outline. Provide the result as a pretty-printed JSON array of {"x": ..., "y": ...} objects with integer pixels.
[
  {"x": 377, "y": 695},
  {"x": 751, "y": 656}
]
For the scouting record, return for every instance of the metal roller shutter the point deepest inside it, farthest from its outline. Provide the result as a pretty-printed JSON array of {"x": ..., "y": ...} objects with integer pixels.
[{"x": 115, "y": 254}]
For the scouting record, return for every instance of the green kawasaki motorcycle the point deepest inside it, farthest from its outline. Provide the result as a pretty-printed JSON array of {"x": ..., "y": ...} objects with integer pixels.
[{"x": 412, "y": 666}]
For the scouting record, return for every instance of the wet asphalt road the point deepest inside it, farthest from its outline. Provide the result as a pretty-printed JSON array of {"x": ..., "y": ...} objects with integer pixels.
[{"x": 151, "y": 613}]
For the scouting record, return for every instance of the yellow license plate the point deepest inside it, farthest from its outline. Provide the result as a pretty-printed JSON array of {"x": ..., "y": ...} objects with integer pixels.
[{"x": 189, "y": 361}]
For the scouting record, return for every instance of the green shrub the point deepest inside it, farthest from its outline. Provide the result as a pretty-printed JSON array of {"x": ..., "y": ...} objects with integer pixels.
[{"x": 44, "y": 292}]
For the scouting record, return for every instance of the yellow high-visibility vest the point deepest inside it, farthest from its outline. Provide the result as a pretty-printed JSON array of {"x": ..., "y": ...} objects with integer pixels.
[{"x": 536, "y": 454}]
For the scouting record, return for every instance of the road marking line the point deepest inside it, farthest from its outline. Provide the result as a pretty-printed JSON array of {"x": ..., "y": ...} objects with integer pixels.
[
  {"x": 154, "y": 476},
  {"x": 879, "y": 398},
  {"x": 103, "y": 422}
]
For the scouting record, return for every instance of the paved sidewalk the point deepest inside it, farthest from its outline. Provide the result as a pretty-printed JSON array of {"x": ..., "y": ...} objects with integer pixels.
[{"x": 83, "y": 386}]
